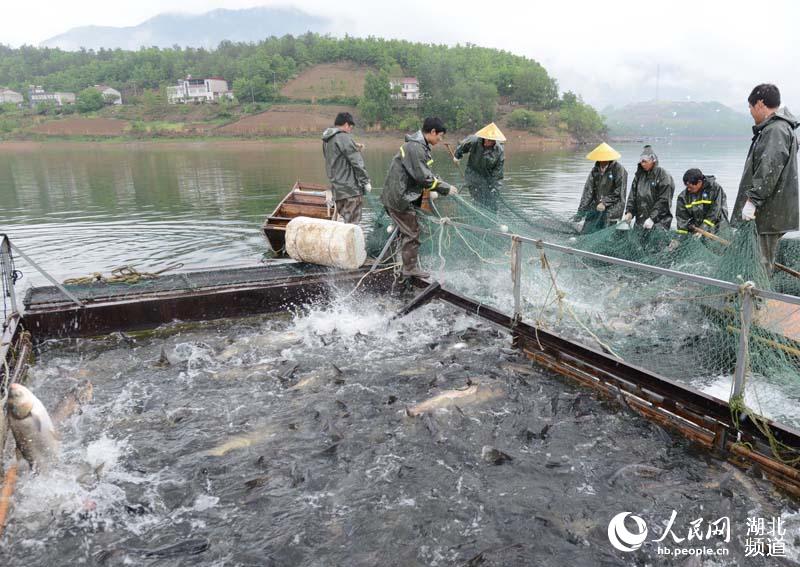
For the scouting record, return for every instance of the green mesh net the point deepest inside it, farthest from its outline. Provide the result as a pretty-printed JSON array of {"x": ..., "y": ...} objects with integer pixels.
[{"x": 674, "y": 327}]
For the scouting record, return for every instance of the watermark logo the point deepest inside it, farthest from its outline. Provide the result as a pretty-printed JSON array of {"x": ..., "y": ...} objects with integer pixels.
[{"x": 621, "y": 537}]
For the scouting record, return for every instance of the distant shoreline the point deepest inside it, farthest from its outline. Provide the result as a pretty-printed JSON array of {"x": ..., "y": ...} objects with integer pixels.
[
  {"x": 381, "y": 140},
  {"x": 662, "y": 139}
]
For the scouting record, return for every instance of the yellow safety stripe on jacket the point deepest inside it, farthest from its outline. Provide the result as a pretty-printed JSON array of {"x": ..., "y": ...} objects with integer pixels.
[
  {"x": 435, "y": 183},
  {"x": 402, "y": 152},
  {"x": 429, "y": 162},
  {"x": 683, "y": 231},
  {"x": 701, "y": 202},
  {"x": 709, "y": 223}
]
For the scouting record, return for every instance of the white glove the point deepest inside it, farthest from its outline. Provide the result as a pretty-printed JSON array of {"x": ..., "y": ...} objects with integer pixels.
[
  {"x": 648, "y": 224},
  {"x": 697, "y": 235},
  {"x": 360, "y": 147},
  {"x": 628, "y": 217},
  {"x": 368, "y": 188},
  {"x": 748, "y": 211},
  {"x": 673, "y": 245},
  {"x": 453, "y": 190},
  {"x": 329, "y": 198},
  {"x": 456, "y": 160},
  {"x": 601, "y": 207},
  {"x": 433, "y": 195},
  {"x": 579, "y": 225}
]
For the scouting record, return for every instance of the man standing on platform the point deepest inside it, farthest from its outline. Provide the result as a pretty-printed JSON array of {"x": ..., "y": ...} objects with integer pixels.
[
  {"x": 345, "y": 168},
  {"x": 409, "y": 175},
  {"x": 768, "y": 191}
]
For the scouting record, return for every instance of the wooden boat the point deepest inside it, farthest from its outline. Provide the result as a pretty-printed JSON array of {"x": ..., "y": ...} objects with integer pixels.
[{"x": 304, "y": 200}]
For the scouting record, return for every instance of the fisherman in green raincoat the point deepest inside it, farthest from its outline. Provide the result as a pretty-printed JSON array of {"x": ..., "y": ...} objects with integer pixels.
[
  {"x": 768, "y": 191},
  {"x": 344, "y": 165},
  {"x": 604, "y": 192},
  {"x": 651, "y": 193},
  {"x": 409, "y": 175},
  {"x": 484, "y": 171},
  {"x": 701, "y": 205}
]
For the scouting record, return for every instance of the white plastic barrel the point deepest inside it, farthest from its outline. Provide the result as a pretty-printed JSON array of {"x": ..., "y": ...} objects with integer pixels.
[{"x": 325, "y": 242}]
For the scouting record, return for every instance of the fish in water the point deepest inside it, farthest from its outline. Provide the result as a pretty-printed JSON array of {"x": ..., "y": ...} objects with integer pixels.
[
  {"x": 494, "y": 456},
  {"x": 192, "y": 546},
  {"x": 474, "y": 394},
  {"x": 273, "y": 341},
  {"x": 636, "y": 468},
  {"x": 318, "y": 378},
  {"x": 241, "y": 441},
  {"x": 32, "y": 427},
  {"x": 73, "y": 401}
]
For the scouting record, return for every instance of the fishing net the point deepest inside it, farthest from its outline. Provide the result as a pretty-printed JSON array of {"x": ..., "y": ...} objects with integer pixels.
[{"x": 674, "y": 327}]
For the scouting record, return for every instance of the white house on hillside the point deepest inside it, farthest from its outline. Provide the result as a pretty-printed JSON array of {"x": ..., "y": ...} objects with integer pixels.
[
  {"x": 38, "y": 96},
  {"x": 409, "y": 88},
  {"x": 199, "y": 90},
  {"x": 7, "y": 96},
  {"x": 110, "y": 94}
]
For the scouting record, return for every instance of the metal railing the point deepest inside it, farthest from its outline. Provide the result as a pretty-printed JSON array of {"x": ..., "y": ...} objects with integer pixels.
[
  {"x": 746, "y": 291},
  {"x": 9, "y": 277}
]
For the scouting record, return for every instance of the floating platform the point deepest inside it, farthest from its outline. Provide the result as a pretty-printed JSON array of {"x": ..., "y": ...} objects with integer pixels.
[{"x": 192, "y": 296}]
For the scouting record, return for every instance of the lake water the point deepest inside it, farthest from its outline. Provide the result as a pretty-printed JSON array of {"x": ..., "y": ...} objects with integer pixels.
[{"x": 80, "y": 208}]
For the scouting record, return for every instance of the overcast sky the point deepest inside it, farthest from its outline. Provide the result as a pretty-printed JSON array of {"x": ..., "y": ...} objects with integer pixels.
[{"x": 705, "y": 50}]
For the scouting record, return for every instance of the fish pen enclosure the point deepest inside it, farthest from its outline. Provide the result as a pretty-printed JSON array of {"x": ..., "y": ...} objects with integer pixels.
[{"x": 301, "y": 422}]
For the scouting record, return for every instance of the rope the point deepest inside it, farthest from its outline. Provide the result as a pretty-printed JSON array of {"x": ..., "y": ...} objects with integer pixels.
[
  {"x": 739, "y": 407},
  {"x": 560, "y": 296},
  {"x": 446, "y": 221},
  {"x": 122, "y": 274}
]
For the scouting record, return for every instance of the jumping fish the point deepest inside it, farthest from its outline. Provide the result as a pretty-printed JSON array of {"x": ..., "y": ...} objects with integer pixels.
[
  {"x": 474, "y": 394},
  {"x": 32, "y": 427},
  {"x": 73, "y": 401}
]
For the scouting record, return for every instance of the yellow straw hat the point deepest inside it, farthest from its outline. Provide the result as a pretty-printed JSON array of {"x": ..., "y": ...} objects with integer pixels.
[
  {"x": 603, "y": 152},
  {"x": 491, "y": 132}
]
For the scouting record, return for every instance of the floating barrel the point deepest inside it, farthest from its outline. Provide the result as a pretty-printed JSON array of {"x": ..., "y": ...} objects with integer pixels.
[{"x": 325, "y": 242}]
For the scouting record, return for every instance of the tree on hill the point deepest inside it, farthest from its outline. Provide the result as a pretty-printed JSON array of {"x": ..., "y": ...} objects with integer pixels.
[
  {"x": 89, "y": 100},
  {"x": 376, "y": 104},
  {"x": 532, "y": 86},
  {"x": 254, "y": 89},
  {"x": 582, "y": 121}
]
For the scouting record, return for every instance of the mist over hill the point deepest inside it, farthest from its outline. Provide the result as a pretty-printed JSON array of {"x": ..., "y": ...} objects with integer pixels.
[
  {"x": 682, "y": 119},
  {"x": 193, "y": 30}
]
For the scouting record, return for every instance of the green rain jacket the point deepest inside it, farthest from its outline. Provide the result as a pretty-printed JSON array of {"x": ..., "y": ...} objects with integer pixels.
[
  {"x": 769, "y": 179},
  {"x": 705, "y": 209},
  {"x": 409, "y": 174},
  {"x": 485, "y": 165},
  {"x": 608, "y": 187},
  {"x": 651, "y": 196},
  {"x": 344, "y": 164}
]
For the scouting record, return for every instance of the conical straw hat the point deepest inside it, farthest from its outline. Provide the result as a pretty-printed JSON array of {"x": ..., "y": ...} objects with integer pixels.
[
  {"x": 491, "y": 132},
  {"x": 603, "y": 152}
]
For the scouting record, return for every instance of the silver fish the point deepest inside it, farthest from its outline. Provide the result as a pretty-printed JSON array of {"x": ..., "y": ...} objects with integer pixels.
[
  {"x": 474, "y": 394},
  {"x": 32, "y": 427}
]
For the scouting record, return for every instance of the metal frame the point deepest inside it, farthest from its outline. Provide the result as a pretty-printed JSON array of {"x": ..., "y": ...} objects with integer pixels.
[
  {"x": 8, "y": 274},
  {"x": 151, "y": 309}
]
